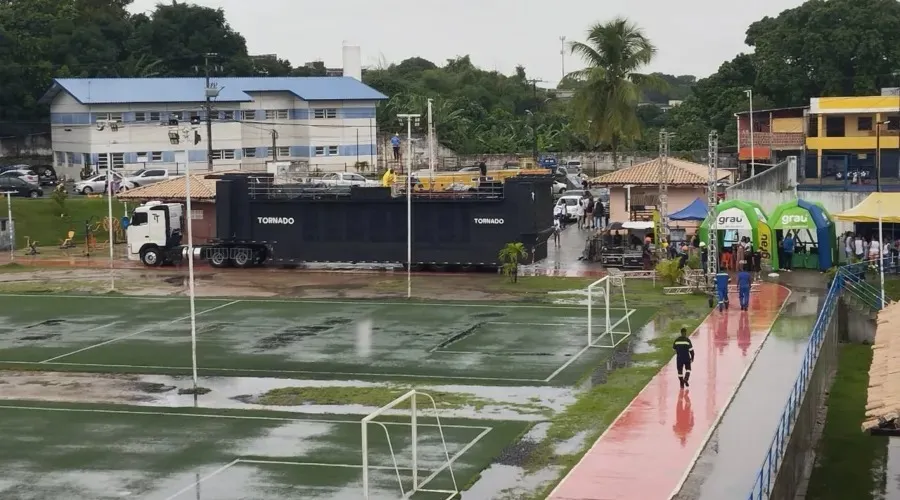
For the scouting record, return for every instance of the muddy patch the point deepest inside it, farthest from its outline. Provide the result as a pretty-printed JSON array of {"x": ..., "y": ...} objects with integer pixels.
[
  {"x": 75, "y": 387},
  {"x": 488, "y": 315},
  {"x": 35, "y": 338},
  {"x": 151, "y": 387},
  {"x": 517, "y": 454},
  {"x": 49, "y": 322},
  {"x": 289, "y": 337},
  {"x": 246, "y": 399}
]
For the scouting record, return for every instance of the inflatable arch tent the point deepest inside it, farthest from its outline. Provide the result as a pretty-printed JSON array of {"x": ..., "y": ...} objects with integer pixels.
[
  {"x": 743, "y": 218},
  {"x": 814, "y": 229}
]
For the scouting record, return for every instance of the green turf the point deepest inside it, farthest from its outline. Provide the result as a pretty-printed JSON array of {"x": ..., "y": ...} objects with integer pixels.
[
  {"x": 39, "y": 219},
  {"x": 93, "y": 452},
  {"x": 494, "y": 344}
]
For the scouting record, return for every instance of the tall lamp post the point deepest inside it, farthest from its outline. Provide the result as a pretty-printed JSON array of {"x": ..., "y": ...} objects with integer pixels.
[
  {"x": 410, "y": 118},
  {"x": 749, "y": 93},
  {"x": 113, "y": 126},
  {"x": 10, "y": 225},
  {"x": 176, "y": 134}
]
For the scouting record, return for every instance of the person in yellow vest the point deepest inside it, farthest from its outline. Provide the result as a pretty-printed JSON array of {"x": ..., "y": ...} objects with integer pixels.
[{"x": 387, "y": 180}]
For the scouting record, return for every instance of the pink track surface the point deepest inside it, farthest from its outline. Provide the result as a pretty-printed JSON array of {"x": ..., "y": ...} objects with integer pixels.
[{"x": 654, "y": 443}]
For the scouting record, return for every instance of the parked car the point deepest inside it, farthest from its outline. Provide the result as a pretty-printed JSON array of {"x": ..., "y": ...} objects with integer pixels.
[
  {"x": 29, "y": 176},
  {"x": 334, "y": 179},
  {"x": 569, "y": 203},
  {"x": 46, "y": 175},
  {"x": 97, "y": 184},
  {"x": 559, "y": 187},
  {"x": 19, "y": 187},
  {"x": 147, "y": 176}
]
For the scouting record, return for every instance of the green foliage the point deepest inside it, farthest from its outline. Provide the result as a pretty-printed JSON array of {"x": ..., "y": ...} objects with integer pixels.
[
  {"x": 669, "y": 272},
  {"x": 694, "y": 261},
  {"x": 59, "y": 196},
  {"x": 510, "y": 256}
]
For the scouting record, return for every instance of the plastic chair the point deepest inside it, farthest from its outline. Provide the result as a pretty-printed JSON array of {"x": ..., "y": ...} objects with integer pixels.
[{"x": 68, "y": 242}]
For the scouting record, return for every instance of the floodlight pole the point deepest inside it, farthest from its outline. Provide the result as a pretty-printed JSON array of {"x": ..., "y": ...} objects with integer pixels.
[
  {"x": 409, "y": 120},
  {"x": 11, "y": 229},
  {"x": 749, "y": 93},
  {"x": 881, "y": 252},
  {"x": 109, "y": 195}
]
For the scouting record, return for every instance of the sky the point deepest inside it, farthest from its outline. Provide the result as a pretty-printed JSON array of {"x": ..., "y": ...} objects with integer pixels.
[{"x": 692, "y": 36}]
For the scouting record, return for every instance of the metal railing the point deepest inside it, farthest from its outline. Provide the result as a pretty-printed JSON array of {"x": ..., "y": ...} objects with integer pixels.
[{"x": 768, "y": 472}]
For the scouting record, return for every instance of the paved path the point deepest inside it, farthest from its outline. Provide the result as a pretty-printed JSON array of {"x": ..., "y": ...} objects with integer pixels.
[{"x": 648, "y": 450}]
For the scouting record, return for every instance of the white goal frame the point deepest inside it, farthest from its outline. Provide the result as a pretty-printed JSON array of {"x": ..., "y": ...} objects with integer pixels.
[
  {"x": 411, "y": 396},
  {"x": 610, "y": 338}
]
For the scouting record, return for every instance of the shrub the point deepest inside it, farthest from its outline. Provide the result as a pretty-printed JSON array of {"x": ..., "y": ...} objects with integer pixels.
[{"x": 669, "y": 272}]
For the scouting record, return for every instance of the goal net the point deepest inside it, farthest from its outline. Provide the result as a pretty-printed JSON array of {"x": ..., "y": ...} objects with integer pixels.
[
  {"x": 417, "y": 457},
  {"x": 608, "y": 316}
]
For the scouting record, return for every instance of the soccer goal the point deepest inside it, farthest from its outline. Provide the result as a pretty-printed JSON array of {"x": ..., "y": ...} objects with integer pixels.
[
  {"x": 608, "y": 316},
  {"x": 412, "y": 399}
]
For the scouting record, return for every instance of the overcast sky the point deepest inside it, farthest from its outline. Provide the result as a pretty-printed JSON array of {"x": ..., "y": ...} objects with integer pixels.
[{"x": 693, "y": 36}]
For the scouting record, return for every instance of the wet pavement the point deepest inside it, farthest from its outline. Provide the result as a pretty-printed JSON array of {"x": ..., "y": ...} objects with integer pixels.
[
  {"x": 728, "y": 465},
  {"x": 649, "y": 449},
  {"x": 565, "y": 260}
]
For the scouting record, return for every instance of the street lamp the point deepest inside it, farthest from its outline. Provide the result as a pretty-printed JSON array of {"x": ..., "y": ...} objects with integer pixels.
[
  {"x": 878, "y": 154},
  {"x": 113, "y": 126},
  {"x": 749, "y": 93},
  {"x": 410, "y": 118},
  {"x": 10, "y": 228}
]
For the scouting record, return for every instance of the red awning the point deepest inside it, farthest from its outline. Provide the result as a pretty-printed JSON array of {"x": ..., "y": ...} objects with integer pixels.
[{"x": 759, "y": 153}]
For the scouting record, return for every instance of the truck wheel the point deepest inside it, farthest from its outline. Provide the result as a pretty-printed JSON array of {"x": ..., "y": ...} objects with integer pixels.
[
  {"x": 151, "y": 257},
  {"x": 218, "y": 258},
  {"x": 243, "y": 257}
]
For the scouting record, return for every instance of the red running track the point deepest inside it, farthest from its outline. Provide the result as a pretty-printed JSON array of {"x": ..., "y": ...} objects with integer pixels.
[{"x": 651, "y": 446}]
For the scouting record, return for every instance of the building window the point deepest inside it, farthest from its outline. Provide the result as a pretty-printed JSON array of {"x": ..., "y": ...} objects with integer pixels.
[
  {"x": 250, "y": 114},
  {"x": 196, "y": 214},
  {"x": 284, "y": 151},
  {"x": 228, "y": 115},
  {"x": 834, "y": 126},
  {"x": 812, "y": 126},
  {"x": 70, "y": 158},
  {"x": 864, "y": 123},
  {"x": 893, "y": 122},
  {"x": 140, "y": 116},
  {"x": 103, "y": 161},
  {"x": 332, "y": 150},
  {"x": 320, "y": 150},
  {"x": 60, "y": 159},
  {"x": 141, "y": 156},
  {"x": 276, "y": 114},
  {"x": 118, "y": 160},
  {"x": 223, "y": 154},
  {"x": 178, "y": 115},
  {"x": 324, "y": 113},
  {"x": 85, "y": 159},
  {"x": 249, "y": 152},
  {"x": 156, "y": 156},
  {"x": 154, "y": 116}
]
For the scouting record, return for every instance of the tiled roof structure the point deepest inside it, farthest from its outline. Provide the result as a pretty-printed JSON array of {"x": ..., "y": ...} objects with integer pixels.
[{"x": 681, "y": 173}]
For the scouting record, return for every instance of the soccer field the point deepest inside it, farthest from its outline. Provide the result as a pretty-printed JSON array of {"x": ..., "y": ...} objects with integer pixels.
[
  {"x": 94, "y": 452},
  {"x": 497, "y": 344}
]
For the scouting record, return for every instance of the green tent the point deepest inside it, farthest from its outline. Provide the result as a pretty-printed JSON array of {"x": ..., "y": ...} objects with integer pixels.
[
  {"x": 814, "y": 229},
  {"x": 744, "y": 217}
]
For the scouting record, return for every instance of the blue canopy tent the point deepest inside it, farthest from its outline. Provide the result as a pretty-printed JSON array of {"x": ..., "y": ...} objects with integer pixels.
[{"x": 697, "y": 210}]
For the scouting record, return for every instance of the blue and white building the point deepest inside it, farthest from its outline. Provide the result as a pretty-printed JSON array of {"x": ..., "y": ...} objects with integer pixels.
[{"x": 328, "y": 122}]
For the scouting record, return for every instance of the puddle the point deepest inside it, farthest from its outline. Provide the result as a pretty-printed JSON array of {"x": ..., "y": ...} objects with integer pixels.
[
  {"x": 571, "y": 445},
  {"x": 507, "y": 482}
]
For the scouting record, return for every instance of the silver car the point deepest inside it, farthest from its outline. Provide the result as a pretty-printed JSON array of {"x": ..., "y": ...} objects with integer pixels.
[{"x": 97, "y": 184}]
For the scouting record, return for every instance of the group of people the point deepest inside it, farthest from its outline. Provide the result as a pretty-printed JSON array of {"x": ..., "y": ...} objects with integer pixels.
[
  {"x": 858, "y": 248},
  {"x": 589, "y": 214}
]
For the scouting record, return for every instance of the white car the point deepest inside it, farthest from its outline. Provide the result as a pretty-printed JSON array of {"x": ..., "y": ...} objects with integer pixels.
[
  {"x": 147, "y": 176},
  {"x": 568, "y": 205},
  {"x": 344, "y": 179},
  {"x": 559, "y": 187},
  {"x": 97, "y": 184},
  {"x": 26, "y": 174}
]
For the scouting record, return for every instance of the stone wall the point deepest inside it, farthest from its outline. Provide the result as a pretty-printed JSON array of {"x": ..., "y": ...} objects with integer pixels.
[{"x": 29, "y": 146}]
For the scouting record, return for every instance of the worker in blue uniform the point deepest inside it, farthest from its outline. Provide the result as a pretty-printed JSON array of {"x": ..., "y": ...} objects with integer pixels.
[
  {"x": 722, "y": 280},
  {"x": 684, "y": 356},
  {"x": 744, "y": 280}
]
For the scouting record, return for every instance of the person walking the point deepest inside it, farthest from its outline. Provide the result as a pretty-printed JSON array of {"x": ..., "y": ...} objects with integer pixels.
[
  {"x": 788, "y": 245},
  {"x": 579, "y": 211},
  {"x": 557, "y": 229},
  {"x": 744, "y": 282},
  {"x": 388, "y": 179},
  {"x": 589, "y": 211},
  {"x": 598, "y": 214},
  {"x": 722, "y": 280},
  {"x": 395, "y": 143},
  {"x": 859, "y": 248},
  {"x": 684, "y": 357}
]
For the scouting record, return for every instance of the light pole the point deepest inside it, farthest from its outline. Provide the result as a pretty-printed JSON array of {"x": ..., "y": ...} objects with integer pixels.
[
  {"x": 409, "y": 123},
  {"x": 110, "y": 176},
  {"x": 175, "y": 136},
  {"x": 430, "y": 143},
  {"x": 878, "y": 154},
  {"x": 11, "y": 228},
  {"x": 562, "y": 56},
  {"x": 534, "y": 144},
  {"x": 749, "y": 93}
]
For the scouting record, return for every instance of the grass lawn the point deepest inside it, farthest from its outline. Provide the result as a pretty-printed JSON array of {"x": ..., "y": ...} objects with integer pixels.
[
  {"x": 40, "y": 220},
  {"x": 849, "y": 462}
]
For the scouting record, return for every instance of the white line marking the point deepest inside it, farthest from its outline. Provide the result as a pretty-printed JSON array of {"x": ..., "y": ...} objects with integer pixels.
[
  {"x": 283, "y": 372},
  {"x": 730, "y": 399},
  {"x": 317, "y": 464},
  {"x": 585, "y": 349},
  {"x": 302, "y": 301},
  {"x": 104, "y": 326},
  {"x": 232, "y": 417},
  {"x": 123, "y": 337},
  {"x": 204, "y": 478},
  {"x": 507, "y": 353},
  {"x": 532, "y": 324}
]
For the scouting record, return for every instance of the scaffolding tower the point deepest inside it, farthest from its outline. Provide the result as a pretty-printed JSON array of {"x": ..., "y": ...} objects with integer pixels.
[
  {"x": 712, "y": 199},
  {"x": 663, "y": 203}
]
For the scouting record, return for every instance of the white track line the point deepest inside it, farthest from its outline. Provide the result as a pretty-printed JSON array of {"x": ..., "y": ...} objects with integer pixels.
[
  {"x": 204, "y": 478},
  {"x": 282, "y": 372},
  {"x": 585, "y": 349},
  {"x": 227, "y": 417},
  {"x": 302, "y": 301},
  {"x": 123, "y": 337}
]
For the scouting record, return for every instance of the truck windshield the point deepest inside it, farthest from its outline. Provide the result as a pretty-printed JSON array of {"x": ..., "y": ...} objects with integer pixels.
[{"x": 138, "y": 218}]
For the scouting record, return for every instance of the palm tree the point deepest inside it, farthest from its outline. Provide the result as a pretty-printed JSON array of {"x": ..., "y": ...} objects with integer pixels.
[
  {"x": 509, "y": 255},
  {"x": 607, "y": 101}
]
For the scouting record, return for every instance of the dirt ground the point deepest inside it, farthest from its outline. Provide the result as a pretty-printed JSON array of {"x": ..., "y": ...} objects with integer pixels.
[{"x": 77, "y": 387}]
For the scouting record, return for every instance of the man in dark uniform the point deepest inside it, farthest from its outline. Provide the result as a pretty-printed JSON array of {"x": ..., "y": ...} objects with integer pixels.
[{"x": 684, "y": 356}]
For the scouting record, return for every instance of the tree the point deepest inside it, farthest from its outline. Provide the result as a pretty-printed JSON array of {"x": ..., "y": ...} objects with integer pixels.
[
  {"x": 510, "y": 256},
  {"x": 606, "y": 105}
]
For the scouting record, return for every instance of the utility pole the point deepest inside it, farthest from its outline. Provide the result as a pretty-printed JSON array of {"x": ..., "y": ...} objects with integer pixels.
[
  {"x": 211, "y": 92},
  {"x": 431, "y": 141},
  {"x": 712, "y": 200},
  {"x": 562, "y": 56},
  {"x": 749, "y": 93},
  {"x": 663, "y": 203}
]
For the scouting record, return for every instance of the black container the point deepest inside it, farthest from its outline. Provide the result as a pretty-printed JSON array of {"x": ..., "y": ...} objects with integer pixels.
[{"x": 300, "y": 225}]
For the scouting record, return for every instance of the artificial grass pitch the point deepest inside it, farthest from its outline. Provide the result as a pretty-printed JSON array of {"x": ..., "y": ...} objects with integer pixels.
[
  {"x": 99, "y": 452},
  {"x": 493, "y": 344}
]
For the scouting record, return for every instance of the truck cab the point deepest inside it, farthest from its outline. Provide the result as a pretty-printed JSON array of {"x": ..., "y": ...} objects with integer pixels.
[{"x": 154, "y": 233}]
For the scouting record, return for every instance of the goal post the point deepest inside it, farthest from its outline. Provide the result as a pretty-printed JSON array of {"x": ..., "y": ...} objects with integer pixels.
[
  {"x": 417, "y": 486},
  {"x": 614, "y": 329}
]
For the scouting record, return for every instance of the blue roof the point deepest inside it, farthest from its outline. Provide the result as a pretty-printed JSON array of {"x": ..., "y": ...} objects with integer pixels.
[
  {"x": 166, "y": 90},
  {"x": 697, "y": 210}
]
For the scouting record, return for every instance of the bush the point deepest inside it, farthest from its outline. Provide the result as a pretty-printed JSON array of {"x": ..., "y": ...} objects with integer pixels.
[
  {"x": 60, "y": 195},
  {"x": 669, "y": 272},
  {"x": 693, "y": 261}
]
